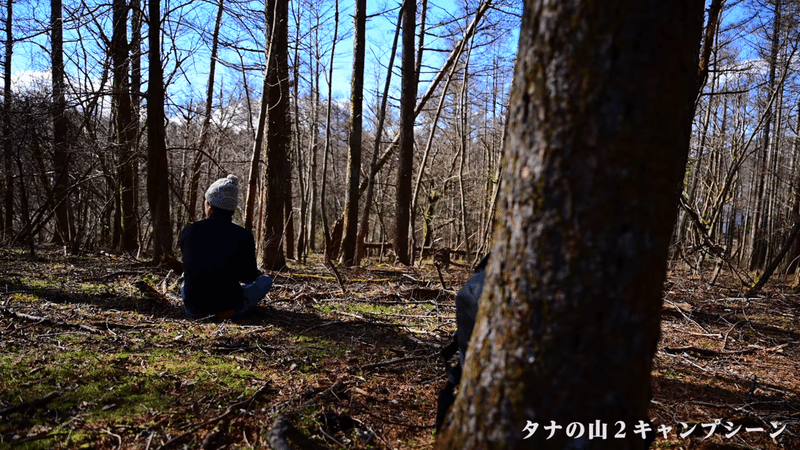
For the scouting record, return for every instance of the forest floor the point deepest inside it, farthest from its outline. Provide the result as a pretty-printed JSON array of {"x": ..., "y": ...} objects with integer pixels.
[{"x": 95, "y": 352}]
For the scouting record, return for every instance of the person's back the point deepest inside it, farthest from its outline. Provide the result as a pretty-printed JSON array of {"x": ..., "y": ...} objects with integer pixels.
[{"x": 218, "y": 255}]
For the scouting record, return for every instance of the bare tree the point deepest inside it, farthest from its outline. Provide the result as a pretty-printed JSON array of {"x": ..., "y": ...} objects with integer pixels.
[
  {"x": 61, "y": 156},
  {"x": 369, "y": 196},
  {"x": 354, "y": 154},
  {"x": 758, "y": 236},
  {"x": 194, "y": 179},
  {"x": 464, "y": 132},
  {"x": 8, "y": 200},
  {"x": 278, "y": 134},
  {"x": 569, "y": 319},
  {"x": 258, "y": 143},
  {"x": 126, "y": 128},
  {"x": 408, "y": 100},
  {"x": 329, "y": 245},
  {"x": 157, "y": 166}
]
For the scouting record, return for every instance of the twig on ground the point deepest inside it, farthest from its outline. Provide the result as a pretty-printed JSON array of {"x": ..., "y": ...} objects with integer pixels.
[
  {"x": 330, "y": 265},
  {"x": 391, "y": 362},
  {"x": 707, "y": 353},
  {"x": 348, "y": 314},
  {"x": 687, "y": 317},
  {"x": 441, "y": 278},
  {"x": 45, "y": 320},
  {"x": 725, "y": 340}
]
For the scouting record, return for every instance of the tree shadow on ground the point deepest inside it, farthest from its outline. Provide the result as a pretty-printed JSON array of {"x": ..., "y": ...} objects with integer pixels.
[
  {"x": 297, "y": 321},
  {"x": 731, "y": 401}
]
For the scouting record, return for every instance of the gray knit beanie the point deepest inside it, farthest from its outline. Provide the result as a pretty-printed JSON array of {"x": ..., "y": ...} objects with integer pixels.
[{"x": 224, "y": 193}]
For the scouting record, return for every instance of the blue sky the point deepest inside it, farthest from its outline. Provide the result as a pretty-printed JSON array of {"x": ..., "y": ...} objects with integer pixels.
[{"x": 32, "y": 60}]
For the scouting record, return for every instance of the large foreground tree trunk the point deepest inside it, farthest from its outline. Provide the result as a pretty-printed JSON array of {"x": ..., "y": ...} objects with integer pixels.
[{"x": 596, "y": 148}]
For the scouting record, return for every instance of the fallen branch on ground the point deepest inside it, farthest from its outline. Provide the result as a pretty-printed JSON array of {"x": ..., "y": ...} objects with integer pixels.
[
  {"x": 47, "y": 321},
  {"x": 392, "y": 362},
  {"x": 708, "y": 353}
]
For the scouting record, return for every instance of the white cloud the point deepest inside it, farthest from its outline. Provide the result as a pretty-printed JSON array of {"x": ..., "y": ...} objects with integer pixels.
[{"x": 26, "y": 80}]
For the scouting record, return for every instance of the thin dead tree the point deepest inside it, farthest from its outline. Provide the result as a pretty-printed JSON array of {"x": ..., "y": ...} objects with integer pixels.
[{"x": 194, "y": 176}]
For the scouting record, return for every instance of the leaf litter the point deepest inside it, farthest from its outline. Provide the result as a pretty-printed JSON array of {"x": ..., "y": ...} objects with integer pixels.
[{"x": 95, "y": 351}]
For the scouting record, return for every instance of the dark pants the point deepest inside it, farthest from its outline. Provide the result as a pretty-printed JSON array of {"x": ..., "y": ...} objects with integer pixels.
[{"x": 252, "y": 294}]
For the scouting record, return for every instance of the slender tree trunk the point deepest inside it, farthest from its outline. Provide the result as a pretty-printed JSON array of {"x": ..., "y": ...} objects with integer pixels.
[
  {"x": 126, "y": 129},
  {"x": 313, "y": 202},
  {"x": 61, "y": 155},
  {"x": 286, "y": 135},
  {"x": 759, "y": 237},
  {"x": 354, "y": 154},
  {"x": 136, "y": 59},
  {"x": 8, "y": 200},
  {"x": 773, "y": 264},
  {"x": 405, "y": 167},
  {"x": 27, "y": 233},
  {"x": 427, "y": 221},
  {"x": 258, "y": 143},
  {"x": 465, "y": 130},
  {"x": 794, "y": 254},
  {"x": 417, "y": 70},
  {"x": 157, "y": 165},
  {"x": 137, "y": 19},
  {"x": 774, "y": 211},
  {"x": 433, "y": 196},
  {"x": 454, "y": 54},
  {"x": 278, "y": 135},
  {"x": 325, "y": 228},
  {"x": 297, "y": 144},
  {"x": 288, "y": 217},
  {"x": 255, "y": 158},
  {"x": 194, "y": 176},
  {"x": 368, "y": 198},
  {"x": 714, "y": 11},
  {"x": 490, "y": 222},
  {"x": 569, "y": 319}
]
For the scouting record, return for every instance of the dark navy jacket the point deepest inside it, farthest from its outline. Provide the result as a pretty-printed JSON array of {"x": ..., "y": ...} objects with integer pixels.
[{"x": 217, "y": 255}]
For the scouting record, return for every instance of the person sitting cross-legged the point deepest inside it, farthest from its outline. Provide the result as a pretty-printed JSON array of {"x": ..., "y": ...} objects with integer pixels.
[{"x": 221, "y": 277}]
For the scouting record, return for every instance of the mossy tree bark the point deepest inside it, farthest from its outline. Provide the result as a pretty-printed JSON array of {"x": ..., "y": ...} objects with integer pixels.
[{"x": 599, "y": 121}]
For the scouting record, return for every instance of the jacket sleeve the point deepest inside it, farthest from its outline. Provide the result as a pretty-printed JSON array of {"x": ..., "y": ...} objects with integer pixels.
[{"x": 249, "y": 268}]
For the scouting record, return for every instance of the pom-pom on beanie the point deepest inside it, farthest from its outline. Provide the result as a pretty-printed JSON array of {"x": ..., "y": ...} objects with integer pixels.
[{"x": 224, "y": 193}]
